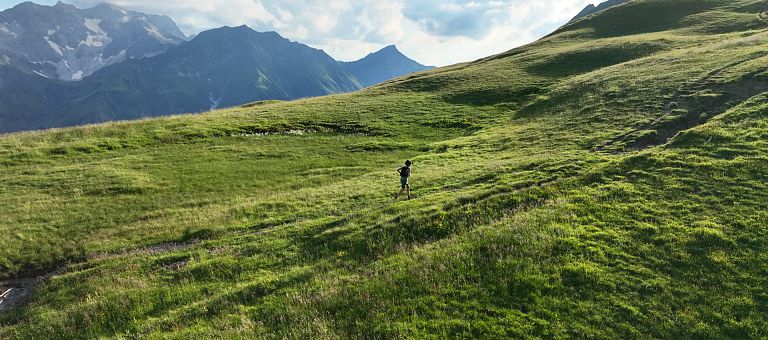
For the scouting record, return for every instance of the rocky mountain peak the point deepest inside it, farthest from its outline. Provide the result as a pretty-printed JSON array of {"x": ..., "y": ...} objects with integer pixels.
[{"x": 68, "y": 43}]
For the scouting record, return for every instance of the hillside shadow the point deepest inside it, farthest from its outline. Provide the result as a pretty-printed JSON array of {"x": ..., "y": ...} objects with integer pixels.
[
  {"x": 492, "y": 96},
  {"x": 591, "y": 59}
]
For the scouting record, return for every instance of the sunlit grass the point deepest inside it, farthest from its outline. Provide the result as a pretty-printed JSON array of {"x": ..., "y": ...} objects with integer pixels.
[{"x": 534, "y": 213}]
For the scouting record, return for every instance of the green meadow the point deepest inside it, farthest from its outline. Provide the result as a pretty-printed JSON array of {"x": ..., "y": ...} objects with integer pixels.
[{"x": 607, "y": 181}]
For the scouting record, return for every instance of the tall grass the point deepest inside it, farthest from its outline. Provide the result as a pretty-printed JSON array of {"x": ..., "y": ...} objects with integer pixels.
[{"x": 277, "y": 220}]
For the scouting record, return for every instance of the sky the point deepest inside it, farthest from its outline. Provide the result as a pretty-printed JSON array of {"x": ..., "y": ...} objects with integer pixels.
[{"x": 433, "y": 32}]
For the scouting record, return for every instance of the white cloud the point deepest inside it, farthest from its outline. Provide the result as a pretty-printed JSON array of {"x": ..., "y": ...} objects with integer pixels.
[{"x": 435, "y": 32}]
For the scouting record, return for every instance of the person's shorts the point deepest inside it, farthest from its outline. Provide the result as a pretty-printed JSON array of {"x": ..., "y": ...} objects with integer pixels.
[{"x": 404, "y": 182}]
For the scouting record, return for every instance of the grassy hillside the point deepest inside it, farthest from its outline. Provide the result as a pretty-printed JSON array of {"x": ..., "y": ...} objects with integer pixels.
[{"x": 607, "y": 181}]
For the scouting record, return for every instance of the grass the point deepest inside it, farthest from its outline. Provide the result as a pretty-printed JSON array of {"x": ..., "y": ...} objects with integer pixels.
[{"x": 542, "y": 208}]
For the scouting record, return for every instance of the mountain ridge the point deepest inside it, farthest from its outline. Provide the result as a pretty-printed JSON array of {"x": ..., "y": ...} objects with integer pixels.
[
  {"x": 68, "y": 43},
  {"x": 125, "y": 44},
  {"x": 222, "y": 67},
  {"x": 592, "y": 9}
]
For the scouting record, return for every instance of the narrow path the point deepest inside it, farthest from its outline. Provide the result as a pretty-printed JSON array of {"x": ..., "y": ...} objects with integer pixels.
[
  {"x": 16, "y": 292},
  {"x": 148, "y": 250}
]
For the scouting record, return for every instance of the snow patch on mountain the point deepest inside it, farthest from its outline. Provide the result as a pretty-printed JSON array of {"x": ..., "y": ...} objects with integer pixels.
[
  {"x": 155, "y": 32},
  {"x": 75, "y": 68},
  {"x": 4, "y": 29},
  {"x": 93, "y": 25},
  {"x": 214, "y": 102},
  {"x": 54, "y": 46},
  {"x": 100, "y": 39},
  {"x": 78, "y": 42},
  {"x": 93, "y": 41}
]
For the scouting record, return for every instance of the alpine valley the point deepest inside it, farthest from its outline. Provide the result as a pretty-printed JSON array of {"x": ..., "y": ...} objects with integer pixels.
[{"x": 64, "y": 66}]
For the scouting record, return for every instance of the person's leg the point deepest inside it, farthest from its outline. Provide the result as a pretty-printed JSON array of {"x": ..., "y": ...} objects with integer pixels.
[
  {"x": 403, "y": 186},
  {"x": 399, "y": 193},
  {"x": 408, "y": 188}
]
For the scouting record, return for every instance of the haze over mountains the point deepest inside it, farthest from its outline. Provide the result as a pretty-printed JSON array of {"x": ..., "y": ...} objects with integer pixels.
[{"x": 63, "y": 66}]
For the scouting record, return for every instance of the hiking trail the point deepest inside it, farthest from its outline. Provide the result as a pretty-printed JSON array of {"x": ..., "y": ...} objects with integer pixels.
[{"x": 15, "y": 292}]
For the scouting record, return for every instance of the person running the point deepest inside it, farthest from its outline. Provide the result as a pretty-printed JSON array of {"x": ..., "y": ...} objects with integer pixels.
[{"x": 405, "y": 173}]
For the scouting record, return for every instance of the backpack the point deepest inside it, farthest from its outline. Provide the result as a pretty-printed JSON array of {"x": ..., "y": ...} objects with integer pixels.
[{"x": 405, "y": 171}]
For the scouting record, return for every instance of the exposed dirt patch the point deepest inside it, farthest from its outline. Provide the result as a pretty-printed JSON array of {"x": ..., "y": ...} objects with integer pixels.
[
  {"x": 16, "y": 292},
  {"x": 176, "y": 265}
]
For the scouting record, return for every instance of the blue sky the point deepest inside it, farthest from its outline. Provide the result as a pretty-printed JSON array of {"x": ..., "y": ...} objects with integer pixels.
[{"x": 434, "y": 32}]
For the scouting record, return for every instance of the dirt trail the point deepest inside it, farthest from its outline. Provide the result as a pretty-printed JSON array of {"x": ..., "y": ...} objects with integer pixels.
[
  {"x": 148, "y": 250},
  {"x": 15, "y": 292}
]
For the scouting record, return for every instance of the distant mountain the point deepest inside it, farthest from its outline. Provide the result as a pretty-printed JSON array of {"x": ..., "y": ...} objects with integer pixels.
[
  {"x": 383, "y": 65},
  {"x": 591, "y": 9},
  {"x": 27, "y": 100},
  {"x": 218, "y": 68},
  {"x": 64, "y": 42},
  {"x": 64, "y": 66}
]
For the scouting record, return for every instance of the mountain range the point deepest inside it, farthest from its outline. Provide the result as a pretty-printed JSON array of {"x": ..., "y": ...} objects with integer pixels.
[
  {"x": 64, "y": 66},
  {"x": 67, "y": 43}
]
